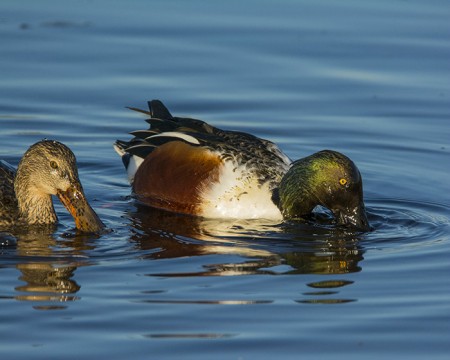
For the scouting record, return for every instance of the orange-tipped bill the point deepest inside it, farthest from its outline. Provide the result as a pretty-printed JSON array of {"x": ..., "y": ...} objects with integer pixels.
[{"x": 86, "y": 220}]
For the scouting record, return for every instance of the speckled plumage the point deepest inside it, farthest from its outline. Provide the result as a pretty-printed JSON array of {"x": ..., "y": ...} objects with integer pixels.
[
  {"x": 9, "y": 209},
  {"x": 263, "y": 158}
]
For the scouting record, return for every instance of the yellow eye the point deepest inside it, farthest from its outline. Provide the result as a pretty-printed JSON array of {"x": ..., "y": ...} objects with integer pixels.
[
  {"x": 53, "y": 164},
  {"x": 342, "y": 181}
]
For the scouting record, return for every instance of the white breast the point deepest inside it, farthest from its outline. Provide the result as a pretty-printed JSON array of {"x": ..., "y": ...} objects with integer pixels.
[{"x": 238, "y": 196}]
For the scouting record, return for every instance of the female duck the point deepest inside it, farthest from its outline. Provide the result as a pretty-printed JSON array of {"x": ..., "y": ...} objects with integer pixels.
[
  {"x": 188, "y": 166},
  {"x": 47, "y": 168}
]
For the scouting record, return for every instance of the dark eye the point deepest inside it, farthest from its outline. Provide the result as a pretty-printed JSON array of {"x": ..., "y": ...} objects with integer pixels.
[{"x": 53, "y": 164}]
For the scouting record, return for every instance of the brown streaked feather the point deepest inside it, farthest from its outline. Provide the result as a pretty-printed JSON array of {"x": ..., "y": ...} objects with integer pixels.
[{"x": 173, "y": 176}]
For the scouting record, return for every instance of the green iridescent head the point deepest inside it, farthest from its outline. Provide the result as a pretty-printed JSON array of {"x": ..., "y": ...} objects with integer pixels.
[{"x": 329, "y": 179}]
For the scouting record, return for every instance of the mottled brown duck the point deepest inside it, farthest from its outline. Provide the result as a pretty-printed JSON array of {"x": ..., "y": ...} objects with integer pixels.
[{"x": 47, "y": 168}]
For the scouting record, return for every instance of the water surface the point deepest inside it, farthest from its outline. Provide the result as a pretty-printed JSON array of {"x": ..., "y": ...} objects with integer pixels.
[{"x": 369, "y": 80}]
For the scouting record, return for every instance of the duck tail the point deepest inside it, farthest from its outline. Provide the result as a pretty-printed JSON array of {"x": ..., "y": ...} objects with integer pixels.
[{"x": 158, "y": 110}]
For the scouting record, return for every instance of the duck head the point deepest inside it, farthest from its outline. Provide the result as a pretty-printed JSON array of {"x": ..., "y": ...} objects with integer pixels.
[
  {"x": 49, "y": 168},
  {"x": 329, "y": 179}
]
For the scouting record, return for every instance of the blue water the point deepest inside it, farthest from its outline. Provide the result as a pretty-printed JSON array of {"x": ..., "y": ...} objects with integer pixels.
[{"x": 369, "y": 79}]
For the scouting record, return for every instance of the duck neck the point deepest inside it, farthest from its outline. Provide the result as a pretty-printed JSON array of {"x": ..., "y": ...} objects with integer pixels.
[
  {"x": 35, "y": 206},
  {"x": 296, "y": 198}
]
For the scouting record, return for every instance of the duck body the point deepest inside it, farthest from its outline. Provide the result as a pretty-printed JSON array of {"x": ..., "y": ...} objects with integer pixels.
[
  {"x": 202, "y": 182},
  {"x": 47, "y": 168},
  {"x": 188, "y": 166},
  {"x": 9, "y": 209}
]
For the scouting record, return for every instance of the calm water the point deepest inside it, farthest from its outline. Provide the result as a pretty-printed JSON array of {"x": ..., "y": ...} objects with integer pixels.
[{"x": 369, "y": 79}]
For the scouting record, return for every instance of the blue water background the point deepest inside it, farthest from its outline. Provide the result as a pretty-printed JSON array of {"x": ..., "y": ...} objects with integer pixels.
[{"x": 369, "y": 79}]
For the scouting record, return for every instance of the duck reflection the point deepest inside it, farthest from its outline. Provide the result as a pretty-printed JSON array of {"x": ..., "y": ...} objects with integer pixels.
[
  {"x": 263, "y": 248},
  {"x": 46, "y": 271}
]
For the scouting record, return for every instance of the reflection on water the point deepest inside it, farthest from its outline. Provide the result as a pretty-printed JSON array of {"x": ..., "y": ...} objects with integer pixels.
[
  {"x": 48, "y": 262},
  {"x": 54, "y": 283},
  {"x": 247, "y": 248},
  {"x": 318, "y": 297},
  {"x": 209, "y": 302},
  {"x": 47, "y": 266},
  {"x": 266, "y": 248}
]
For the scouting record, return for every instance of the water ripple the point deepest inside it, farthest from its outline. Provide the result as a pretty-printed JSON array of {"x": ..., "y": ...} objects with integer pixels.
[{"x": 401, "y": 221}]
